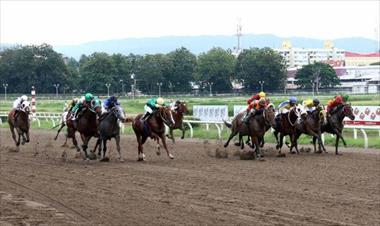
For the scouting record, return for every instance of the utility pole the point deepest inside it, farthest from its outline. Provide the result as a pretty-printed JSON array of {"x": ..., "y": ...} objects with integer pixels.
[
  {"x": 108, "y": 88},
  {"x": 56, "y": 89},
  {"x": 5, "y": 85},
  {"x": 159, "y": 88},
  {"x": 262, "y": 85}
]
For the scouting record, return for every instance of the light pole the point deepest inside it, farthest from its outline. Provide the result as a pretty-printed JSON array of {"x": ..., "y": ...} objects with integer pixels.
[
  {"x": 210, "y": 84},
  {"x": 56, "y": 89},
  {"x": 122, "y": 86},
  {"x": 108, "y": 88},
  {"x": 133, "y": 87},
  {"x": 159, "y": 88},
  {"x": 262, "y": 85},
  {"x": 317, "y": 78},
  {"x": 5, "y": 85}
]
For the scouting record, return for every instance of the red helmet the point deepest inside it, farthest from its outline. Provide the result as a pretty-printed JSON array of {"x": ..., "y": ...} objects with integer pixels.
[{"x": 339, "y": 99}]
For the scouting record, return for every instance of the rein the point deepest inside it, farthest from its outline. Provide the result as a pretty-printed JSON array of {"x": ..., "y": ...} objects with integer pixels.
[{"x": 163, "y": 118}]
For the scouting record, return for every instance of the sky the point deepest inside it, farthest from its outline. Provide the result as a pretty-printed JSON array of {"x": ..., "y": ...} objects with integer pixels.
[{"x": 76, "y": 22}]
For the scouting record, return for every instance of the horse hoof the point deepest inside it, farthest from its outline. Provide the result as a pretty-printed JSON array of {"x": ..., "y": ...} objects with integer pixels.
[
  {"x": 182, "y": 138},
  {"x": 105, "y": 159},
  {"x": 140, "y": 159},
  {"x": 158, "y": 152},
  {"x": 92, "y": 155},
  {"x": 225, "y": 145},
  {"x": 27, "y": 141},
  {"x": 261, "y": 159},
  {"x": 171, "y": 156}
]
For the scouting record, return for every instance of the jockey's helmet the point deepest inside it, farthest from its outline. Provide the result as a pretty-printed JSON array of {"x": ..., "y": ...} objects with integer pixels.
[
  {"x": 160, "y": 101},
  {"x": 338, "y": 99},
  {"x": 113, "y": 99},
  {"x": 88, "y": 97},
  {"x": 293, "y": 100},
  {"x": 24, "y": 98},
  {"x": 75, "y": 100},
  {"x": 316, "y": 102},
  {"x": 261, "y": 94},
  {"x": 262, "y": 102}
]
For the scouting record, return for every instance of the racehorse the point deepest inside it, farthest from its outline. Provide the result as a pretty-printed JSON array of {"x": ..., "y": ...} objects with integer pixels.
[
  {"x": 180, "y": 109},
  {"x": 19, "y": 120},
  {"x": 311, "y": 125},
  {"x": 154, "y": 128},
  {"x": 109, "y": 128},
  {"x": 87, "y": 124},
  {"x": 335, "y": 124},
  {"x": 287, "y": 126},
  {"x": 66, "y": 121}
]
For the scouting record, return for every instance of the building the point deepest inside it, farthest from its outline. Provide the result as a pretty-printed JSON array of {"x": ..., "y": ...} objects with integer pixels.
[
  {"x": 298, "y": 57},
  {"x": 353, "y": 79},
  {"x": 358, "y": 59}
]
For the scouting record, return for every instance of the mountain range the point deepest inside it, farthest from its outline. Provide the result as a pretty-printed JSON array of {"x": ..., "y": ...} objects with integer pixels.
[{"x": 199, "y": 44}]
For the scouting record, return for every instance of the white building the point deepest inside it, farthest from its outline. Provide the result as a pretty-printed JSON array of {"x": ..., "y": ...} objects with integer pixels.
[{"x": 298, "y": 57}]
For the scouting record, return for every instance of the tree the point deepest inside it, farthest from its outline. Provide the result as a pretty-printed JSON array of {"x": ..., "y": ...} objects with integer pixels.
[
  {"x": 25, "y": 66},
  {"x": 181, "y": 68},
  {"x": 96, "y": 71},
  {"x": 317, "y": 73},
  {"x": 216, "y": 66},
  {"x": 151, "y": 72},
  {"x": 261, "y": 65}
]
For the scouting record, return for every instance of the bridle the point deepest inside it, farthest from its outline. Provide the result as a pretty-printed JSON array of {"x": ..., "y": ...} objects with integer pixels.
[
  {"x": 164, "y": 117},
  {"x": 290, "y": 121}
]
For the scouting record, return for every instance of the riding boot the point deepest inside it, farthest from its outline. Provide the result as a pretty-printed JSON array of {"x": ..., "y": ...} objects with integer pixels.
[
  {"x": 145, "y": 117},
  {"x": 278, "y": 120},
  {"x": 248, "y": 116}
]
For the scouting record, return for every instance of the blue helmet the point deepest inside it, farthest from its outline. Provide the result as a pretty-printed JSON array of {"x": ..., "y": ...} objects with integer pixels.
[
  {"x": 293, "y": 100},
  {"x": 113, "y": 99}
]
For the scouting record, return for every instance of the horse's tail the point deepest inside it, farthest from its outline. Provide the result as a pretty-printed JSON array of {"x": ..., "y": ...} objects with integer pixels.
[{"x": 229, "y": 125}]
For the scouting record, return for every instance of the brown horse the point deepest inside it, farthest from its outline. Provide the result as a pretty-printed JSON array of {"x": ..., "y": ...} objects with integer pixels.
[
  {"x": 335, "y": 124},
  {"x": 180, "y": 109},
  {"x": 153, "y": 127},
  {"x": 87, "y": 127},
  {"x": 287, "y": 126},
  {"x": 237, "y": 126},
  {"x": 311, "y": 125},
  {"x": 257, "y": 126},
  {"x": 19, "y": 120}
]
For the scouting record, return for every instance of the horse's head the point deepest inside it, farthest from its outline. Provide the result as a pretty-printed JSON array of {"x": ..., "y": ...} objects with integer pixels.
[
  {"x": 181, "y": 107},
  {"x": 348, "y": 112},
  {"x": 319, "y": 114},
  {"x": 25, "y": 107},
  {"x": 166, "y": 116},
  {"x": 270, "y": 114},
  {"x": 97, "y": 106},
  {"x": 118, "y": 111}
]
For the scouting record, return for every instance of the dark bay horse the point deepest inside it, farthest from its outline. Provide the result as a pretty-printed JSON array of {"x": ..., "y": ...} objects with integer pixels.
[
  {"x": 109, "y": 128},
  {"x": 335, "y": 124},
  {"x": 257, "y": 126},
  {"x": 19, "y": 120},
  {"x": 66, "y": 121},
  {"x": 153, "y": 127},
  {"x": 287, "y": 126},
  {"x": 237, "y": 126},
  {"x": 311, "y": 125},
  {"x": 87, "y": 125},
  {"x": 180, "y": 109}
]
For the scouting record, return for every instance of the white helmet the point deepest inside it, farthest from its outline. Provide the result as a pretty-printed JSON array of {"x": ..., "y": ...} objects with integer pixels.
[{"x": 24, "y": 98}]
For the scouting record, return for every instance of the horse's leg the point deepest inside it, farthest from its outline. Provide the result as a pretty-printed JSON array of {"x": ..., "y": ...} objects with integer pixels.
[
  {"x": 233, "y": 133},
  {"x": 59, "y": 130},
  {"x": 336, "y": 145},
  {"x": 85, "y": 145},
  {"x": 99, "y": 146},
  {"x": 241, "y": 142},
  {"x": 27, "y": 135},
  {"x": 314, "y": 144},
  {"x": 104, "y": 141},
  {"x": 166, "y": 148},
  {"x": 140, "y": 153},
  {"x": 171, "y": 135},
  {"x": 183, "y": 131},
  {"x": 20, "y": 136},
  {"x": 255, "y": 142},
  {"x": 12, "y": 128},
  {"x": 279, "y": 146},
  {"x": 117, "y": 140},
  {"x": 275, "y": 133}
]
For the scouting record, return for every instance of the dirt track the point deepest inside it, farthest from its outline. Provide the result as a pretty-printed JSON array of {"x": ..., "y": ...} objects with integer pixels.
[{"x": 37, "y": 187}]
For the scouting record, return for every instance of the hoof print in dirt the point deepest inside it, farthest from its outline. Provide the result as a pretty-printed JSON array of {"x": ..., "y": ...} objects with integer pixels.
[
  {"x": 221, "y": 153},
  {"x": 247, "y": 155}
]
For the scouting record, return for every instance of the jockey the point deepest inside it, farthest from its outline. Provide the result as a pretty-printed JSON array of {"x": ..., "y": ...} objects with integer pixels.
[
  {"x": 70, "y": 104},
  {"x": 110, "y": 102},
  {"x": 253, "y": 104},
  {"x": 332, "y": 104},
  {"x": 285, "y": 106},
  {"x": 152, "y": 105},
  {"x": 17, "y": 103},
  {"x": 84, "y": 101},
  {"x": 309, "y": 105}
]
